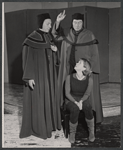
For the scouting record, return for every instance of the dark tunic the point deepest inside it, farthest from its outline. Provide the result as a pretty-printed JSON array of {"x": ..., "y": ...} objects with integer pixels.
[
  {"x": 88, "y": 51},
  {"x": 76, "y": 90},
  {"x": 78, "y": 87},
  {"x": 41, "y": 109}
]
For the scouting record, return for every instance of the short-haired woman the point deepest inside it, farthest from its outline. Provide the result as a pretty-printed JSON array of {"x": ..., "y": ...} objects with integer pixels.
[{"x": 78, "y": 87}]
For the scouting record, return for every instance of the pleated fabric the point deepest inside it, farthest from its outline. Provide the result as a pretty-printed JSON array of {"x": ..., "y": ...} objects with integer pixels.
[
  {"x": 41, "y": 108},
  {"x": 85, "y": 48}
]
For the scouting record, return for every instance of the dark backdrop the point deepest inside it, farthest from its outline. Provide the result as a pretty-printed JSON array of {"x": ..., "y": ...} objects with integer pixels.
[{"x": 104, "y": 23}]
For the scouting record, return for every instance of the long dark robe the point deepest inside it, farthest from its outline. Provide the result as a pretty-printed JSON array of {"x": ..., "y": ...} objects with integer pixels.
[
  {"x": 90, "y": 52},
  {"x": 41, "y": 109}
]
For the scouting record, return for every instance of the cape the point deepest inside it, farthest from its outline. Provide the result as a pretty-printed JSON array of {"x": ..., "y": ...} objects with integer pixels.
[
  {"x": 85, "y": 47},
  {"x": 41, "y": 109}
]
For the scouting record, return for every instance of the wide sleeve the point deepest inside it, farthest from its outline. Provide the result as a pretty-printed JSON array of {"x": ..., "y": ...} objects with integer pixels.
[
  {"x": 67, "y": 89},
  {"x": 27, "y": 63},
  {"x": 89, "y": 89},
  {"x": 55, "y": 54},
  {"x": 57, "y": 59},
  {"x": 95, "y": 62},
  {"x": 57, "y": 32}
]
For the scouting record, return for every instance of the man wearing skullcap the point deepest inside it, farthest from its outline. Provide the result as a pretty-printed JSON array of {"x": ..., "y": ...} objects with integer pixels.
[
  {"x": 41, "y": 110},
  {"x": 78, "y": 42}
]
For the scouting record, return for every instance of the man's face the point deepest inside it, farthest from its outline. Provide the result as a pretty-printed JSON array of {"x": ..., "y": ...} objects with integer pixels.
[
  {"x": 46, "y": 25},
  {"x": 77, "y": 24}
]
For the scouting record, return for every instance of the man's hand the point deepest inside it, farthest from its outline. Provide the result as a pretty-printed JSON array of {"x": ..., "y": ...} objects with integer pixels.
[
  {"x": 61, "y": 16},
  {"x": 31, "y": 84},
  {"x": 54, "y": 48}
]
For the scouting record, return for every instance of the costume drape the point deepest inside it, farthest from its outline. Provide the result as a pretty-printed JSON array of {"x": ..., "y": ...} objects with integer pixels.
[
  {"x": 41, "y": 109},
  {"x": 86, "y": 48}
]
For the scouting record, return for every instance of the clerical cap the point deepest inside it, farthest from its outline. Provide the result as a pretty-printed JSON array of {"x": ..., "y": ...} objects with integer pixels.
[
  {"x": 78, "y": 16},
  {"x": 41, "y": 18}
]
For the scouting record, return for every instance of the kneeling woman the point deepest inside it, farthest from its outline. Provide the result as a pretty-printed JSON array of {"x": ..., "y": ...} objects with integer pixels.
[{"x": 78, "y": 87}]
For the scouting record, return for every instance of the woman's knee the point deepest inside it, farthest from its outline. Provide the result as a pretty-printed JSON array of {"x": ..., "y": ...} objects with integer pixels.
[
  {"x": 73, "y": 108},
  {"x": 87, "y": 109},
  {"x": 88, "y": 112},
  {"x": 87, "y": 105}
]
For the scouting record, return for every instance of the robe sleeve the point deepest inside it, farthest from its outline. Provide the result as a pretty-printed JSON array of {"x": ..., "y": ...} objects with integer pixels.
[
  {"x": 89, "y": 89},
  {"x": 57, "y": 62},
  {"x": 27, "y": 63},
  {"x": 67, "y": 89},
  {"x": 57, "y": 33},
  {"x": 95, "y": 63}
]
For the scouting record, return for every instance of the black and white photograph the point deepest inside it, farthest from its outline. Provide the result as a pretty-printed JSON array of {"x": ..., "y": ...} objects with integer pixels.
[{"x": 61, "y": 74}]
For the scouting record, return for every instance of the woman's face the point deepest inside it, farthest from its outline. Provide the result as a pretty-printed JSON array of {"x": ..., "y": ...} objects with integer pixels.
[
  {"x": 80, "y": 66},
  {"x": 46, "y": 25},
  {"x": 77, "y": 24}
]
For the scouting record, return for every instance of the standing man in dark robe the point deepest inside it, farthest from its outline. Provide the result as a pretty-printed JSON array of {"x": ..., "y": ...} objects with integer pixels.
[
  {"x": 78, "y": 42},
  {"x": 41, "y": 109}
]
